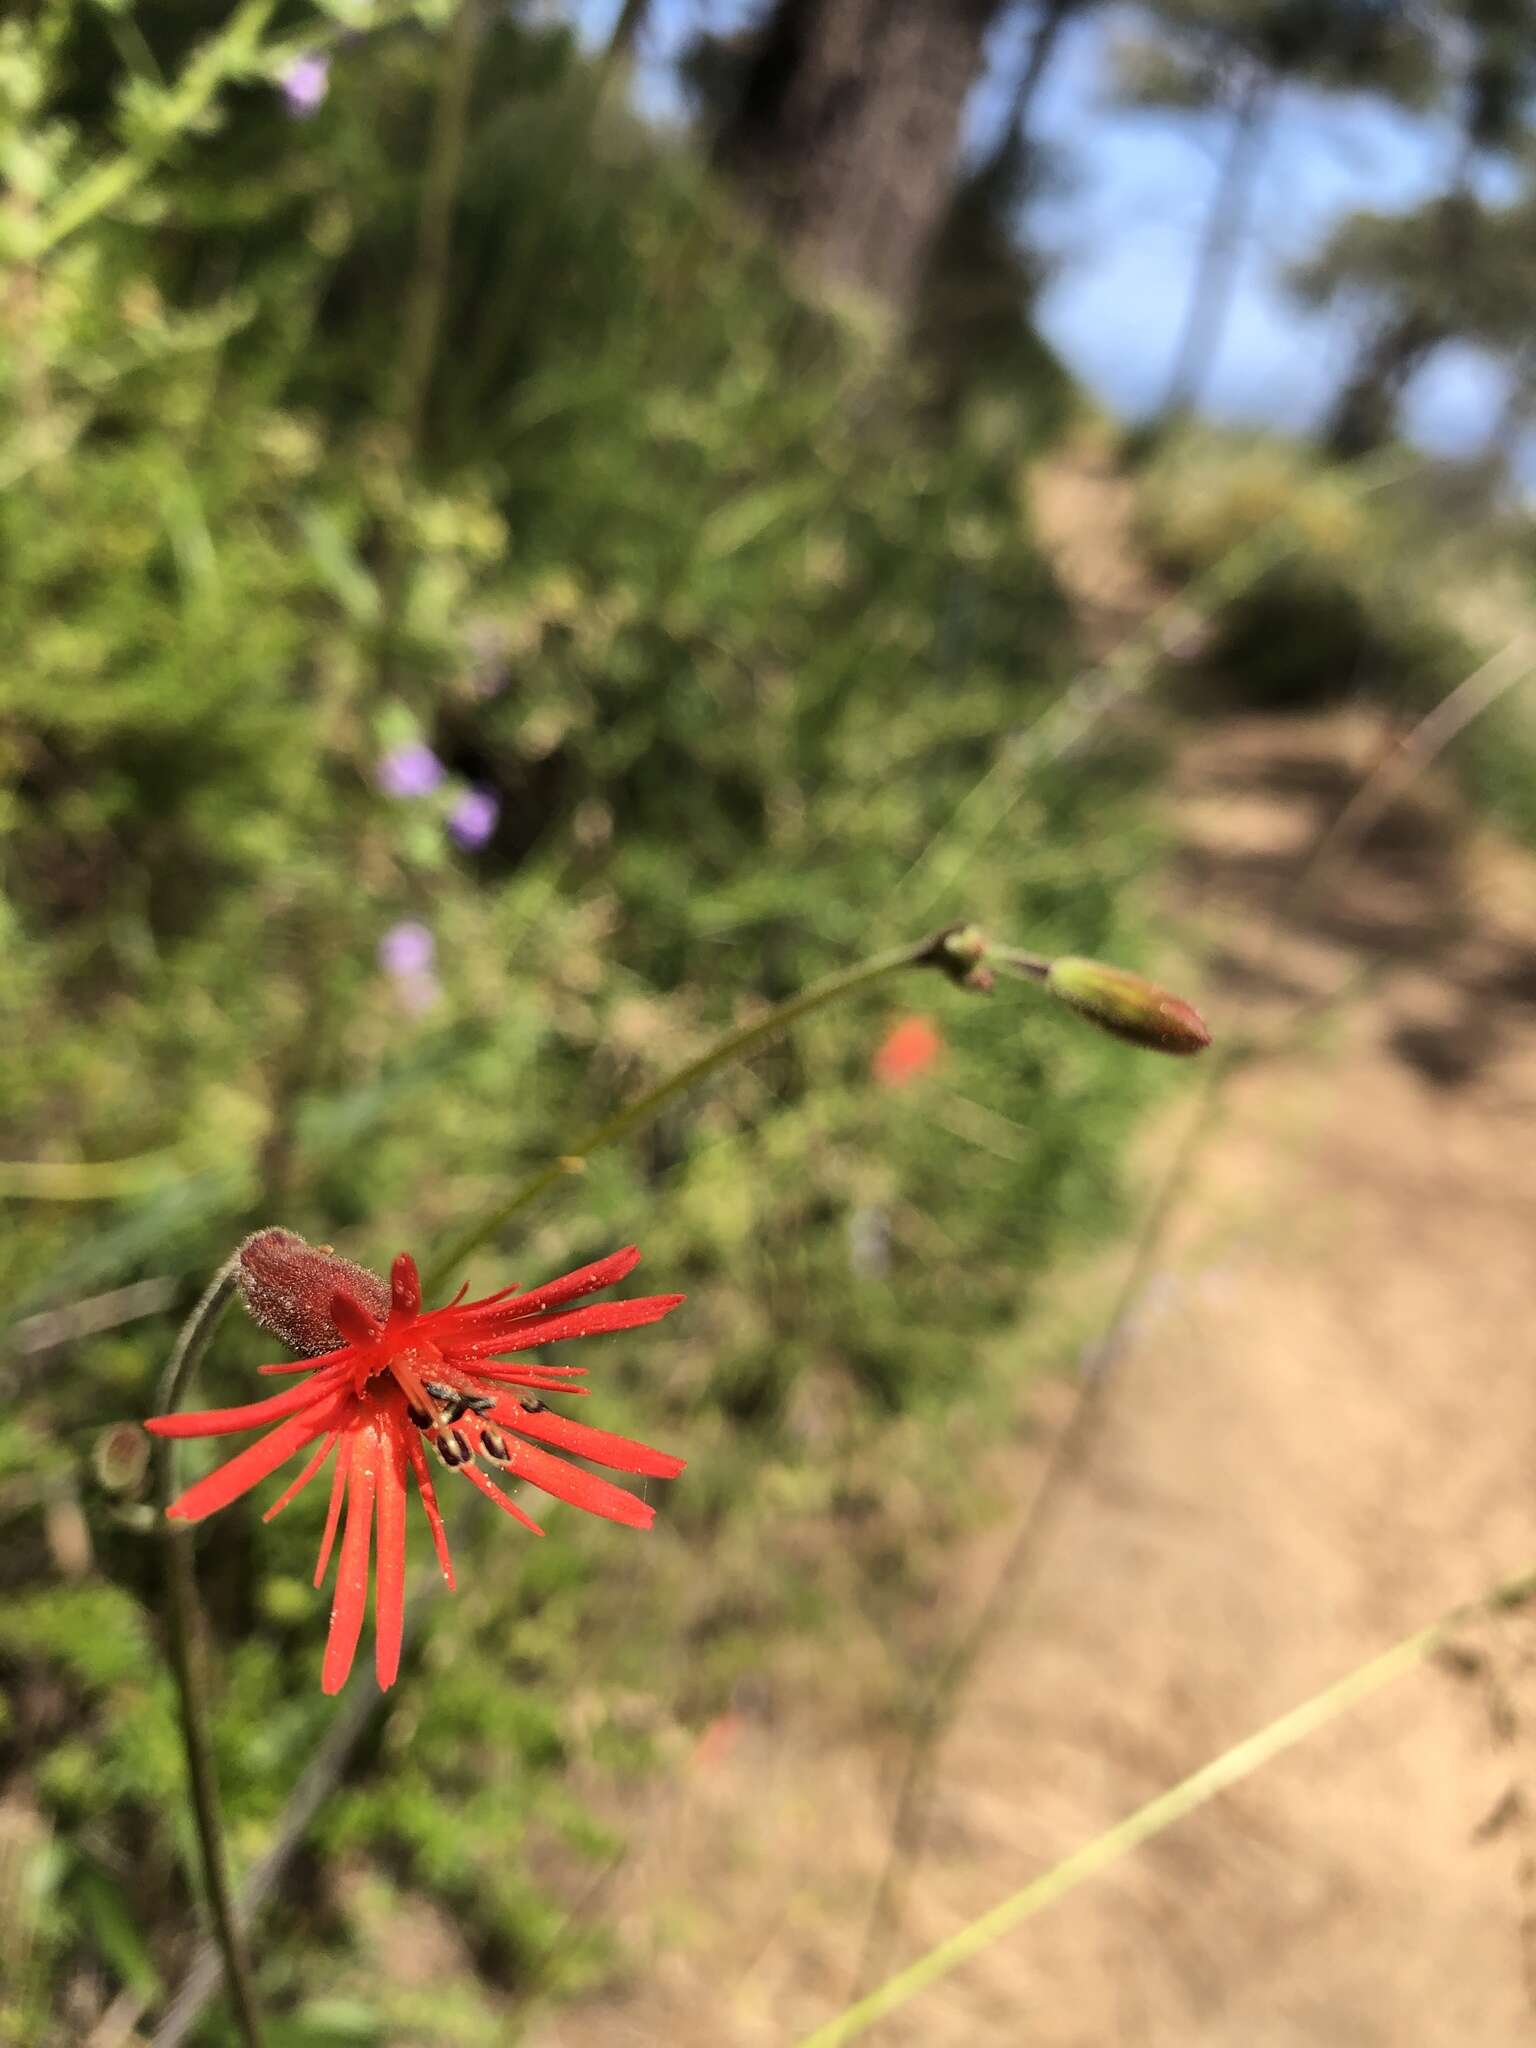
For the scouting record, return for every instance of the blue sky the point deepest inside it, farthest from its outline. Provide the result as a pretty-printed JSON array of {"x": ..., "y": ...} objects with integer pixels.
[{"x": 1125, "y": 230}]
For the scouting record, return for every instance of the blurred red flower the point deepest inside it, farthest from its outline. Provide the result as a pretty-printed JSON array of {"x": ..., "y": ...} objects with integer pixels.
[
  {"x": 390, "y": 1375},
  {"x": 908, "y": 1049}
]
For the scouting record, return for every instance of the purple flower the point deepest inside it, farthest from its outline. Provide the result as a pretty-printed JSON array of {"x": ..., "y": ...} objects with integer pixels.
[
  {"x": 407, "y": 950},
  {"x": 473, "y": 818},
  {"x": 410, "y": 771},
  {"x": 305, "y": 83}
]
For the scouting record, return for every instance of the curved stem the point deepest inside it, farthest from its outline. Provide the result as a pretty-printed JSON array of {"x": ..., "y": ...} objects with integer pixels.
[
  {"x": 183, "y": 1625},
  {"x": 956, "y": 951}
]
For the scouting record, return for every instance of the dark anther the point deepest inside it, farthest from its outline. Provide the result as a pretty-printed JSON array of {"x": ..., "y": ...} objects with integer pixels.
[
  {"x": 419, "y": 1416},
  {"x": 437, "y": 1390},
  {"x": 452, "y": 1449},
  {"x": 454, "y": 1410},
  {"x": 494, "y": 1446},
  {"x": 534, "y": 1406},
  {"x": 482, "y": 1404}
]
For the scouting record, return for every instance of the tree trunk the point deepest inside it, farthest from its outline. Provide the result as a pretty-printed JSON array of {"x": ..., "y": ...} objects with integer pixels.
[
  {"x": 1052, "y": 19},
  {"x": 626, "y": 29},
  {"x": 1512, "y": 422},
  {"x": 1364, "y": 416},
  {"x": 1211, "y": 294},
  {"x": 1012, "y": 136},
  {"x": 846, "y": 130}
]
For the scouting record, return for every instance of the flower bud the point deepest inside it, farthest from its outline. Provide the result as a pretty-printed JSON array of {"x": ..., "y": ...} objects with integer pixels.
[
  {"x": 121, "y": 1457},
  {"x": 1130, "y": 1007},
  {"x": 288, "y": 1287}
]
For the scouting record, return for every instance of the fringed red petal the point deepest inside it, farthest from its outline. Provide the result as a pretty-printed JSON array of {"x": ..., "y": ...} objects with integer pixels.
[
  {"x": 582, "y": 1489},
  {"x": 591, "y": 1279},
  {"x": 434, "y": 1515},
  {"x": 491, "y": 1339},
  {"x": 619, "y": 1453},
  {"x": 333, "y": 1512},
  {"x": 227, "y": 1482},
  {"x": 352, "y": 1570},
  {"x": 389, "y": 1598},
  {"x": 326, "y": 1445},
  {"x": 505, "y": 1501},
  {"x": 225, "y": 1421}
]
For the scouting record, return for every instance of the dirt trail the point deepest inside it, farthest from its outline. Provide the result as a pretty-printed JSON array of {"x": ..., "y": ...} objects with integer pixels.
[{"x": 1323, "y": 1432}]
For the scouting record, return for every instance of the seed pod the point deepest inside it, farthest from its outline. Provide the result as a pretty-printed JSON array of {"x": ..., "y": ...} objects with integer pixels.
[
  {"x": 121, "y": 1458},
  {"x": 1128, "y": 1006}
]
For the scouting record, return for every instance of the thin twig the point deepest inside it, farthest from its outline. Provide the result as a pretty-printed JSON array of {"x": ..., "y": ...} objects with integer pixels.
[
  {"x": 51, "y": 1327},
  {"x": 115, "y": 2028},
  {"x": 625, "y": 32},
  {"x": 183, "y": 1630},
  {"x": 103, "y": 1180},
  {"x": 1427, "y": 741},
  {"x": 426, "y": 293},
  {"x": 1159, "y": 1814},
  {"x": 429, "y": 284}
]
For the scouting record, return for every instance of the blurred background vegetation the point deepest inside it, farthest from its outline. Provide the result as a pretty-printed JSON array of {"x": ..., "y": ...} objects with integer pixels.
[{"x": 495, "y": 589}]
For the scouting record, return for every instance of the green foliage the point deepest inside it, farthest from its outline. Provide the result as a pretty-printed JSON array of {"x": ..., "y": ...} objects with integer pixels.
[
  {"x": 674, "y": 570},
  {"x": 1190, "y": 56},
  {"x": 1379, "y": 586},
  {"x": 1335, "y": 613}
]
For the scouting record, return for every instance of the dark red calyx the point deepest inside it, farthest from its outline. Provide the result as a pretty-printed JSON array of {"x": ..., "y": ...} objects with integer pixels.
[{"x": 289, "y": 1287}]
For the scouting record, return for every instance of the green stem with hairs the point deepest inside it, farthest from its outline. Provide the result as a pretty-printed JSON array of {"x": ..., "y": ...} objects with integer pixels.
[
  {"x": 1159, "y": 1814},
  {"x": 184, "y": 1627},
  {"x": 956, "y": 951}
]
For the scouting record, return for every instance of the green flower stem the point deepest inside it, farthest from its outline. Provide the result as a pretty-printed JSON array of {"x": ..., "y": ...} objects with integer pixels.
[
  {"x": 955, "y": 950},
  {"x": 183, "y": 1621},
  {"x": 227, "y": 55},
  {"x": 1033, "y": 966},
  {"x": 1223, "y": 1772}
]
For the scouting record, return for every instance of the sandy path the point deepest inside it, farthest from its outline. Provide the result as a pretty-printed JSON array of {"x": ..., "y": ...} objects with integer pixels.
[{"x": 1323, "y": 1432}]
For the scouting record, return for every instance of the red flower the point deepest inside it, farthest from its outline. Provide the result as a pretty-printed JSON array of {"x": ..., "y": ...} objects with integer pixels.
[
  {"x": 907, "y": 1050},
  {"x": 390, "y": 1374}
]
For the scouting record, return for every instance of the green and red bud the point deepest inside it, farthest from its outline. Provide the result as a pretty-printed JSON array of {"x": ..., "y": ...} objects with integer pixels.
[
  {"x": 1128, "y": 1006},
  {"x": 963, "y": 953}
]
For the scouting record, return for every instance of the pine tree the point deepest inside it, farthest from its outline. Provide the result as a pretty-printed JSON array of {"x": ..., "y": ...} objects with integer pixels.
[
  {"x": 843, "y": 131},
  {"x": 1412, "y": 276},
  {"x": 1237, "y": 58}
]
